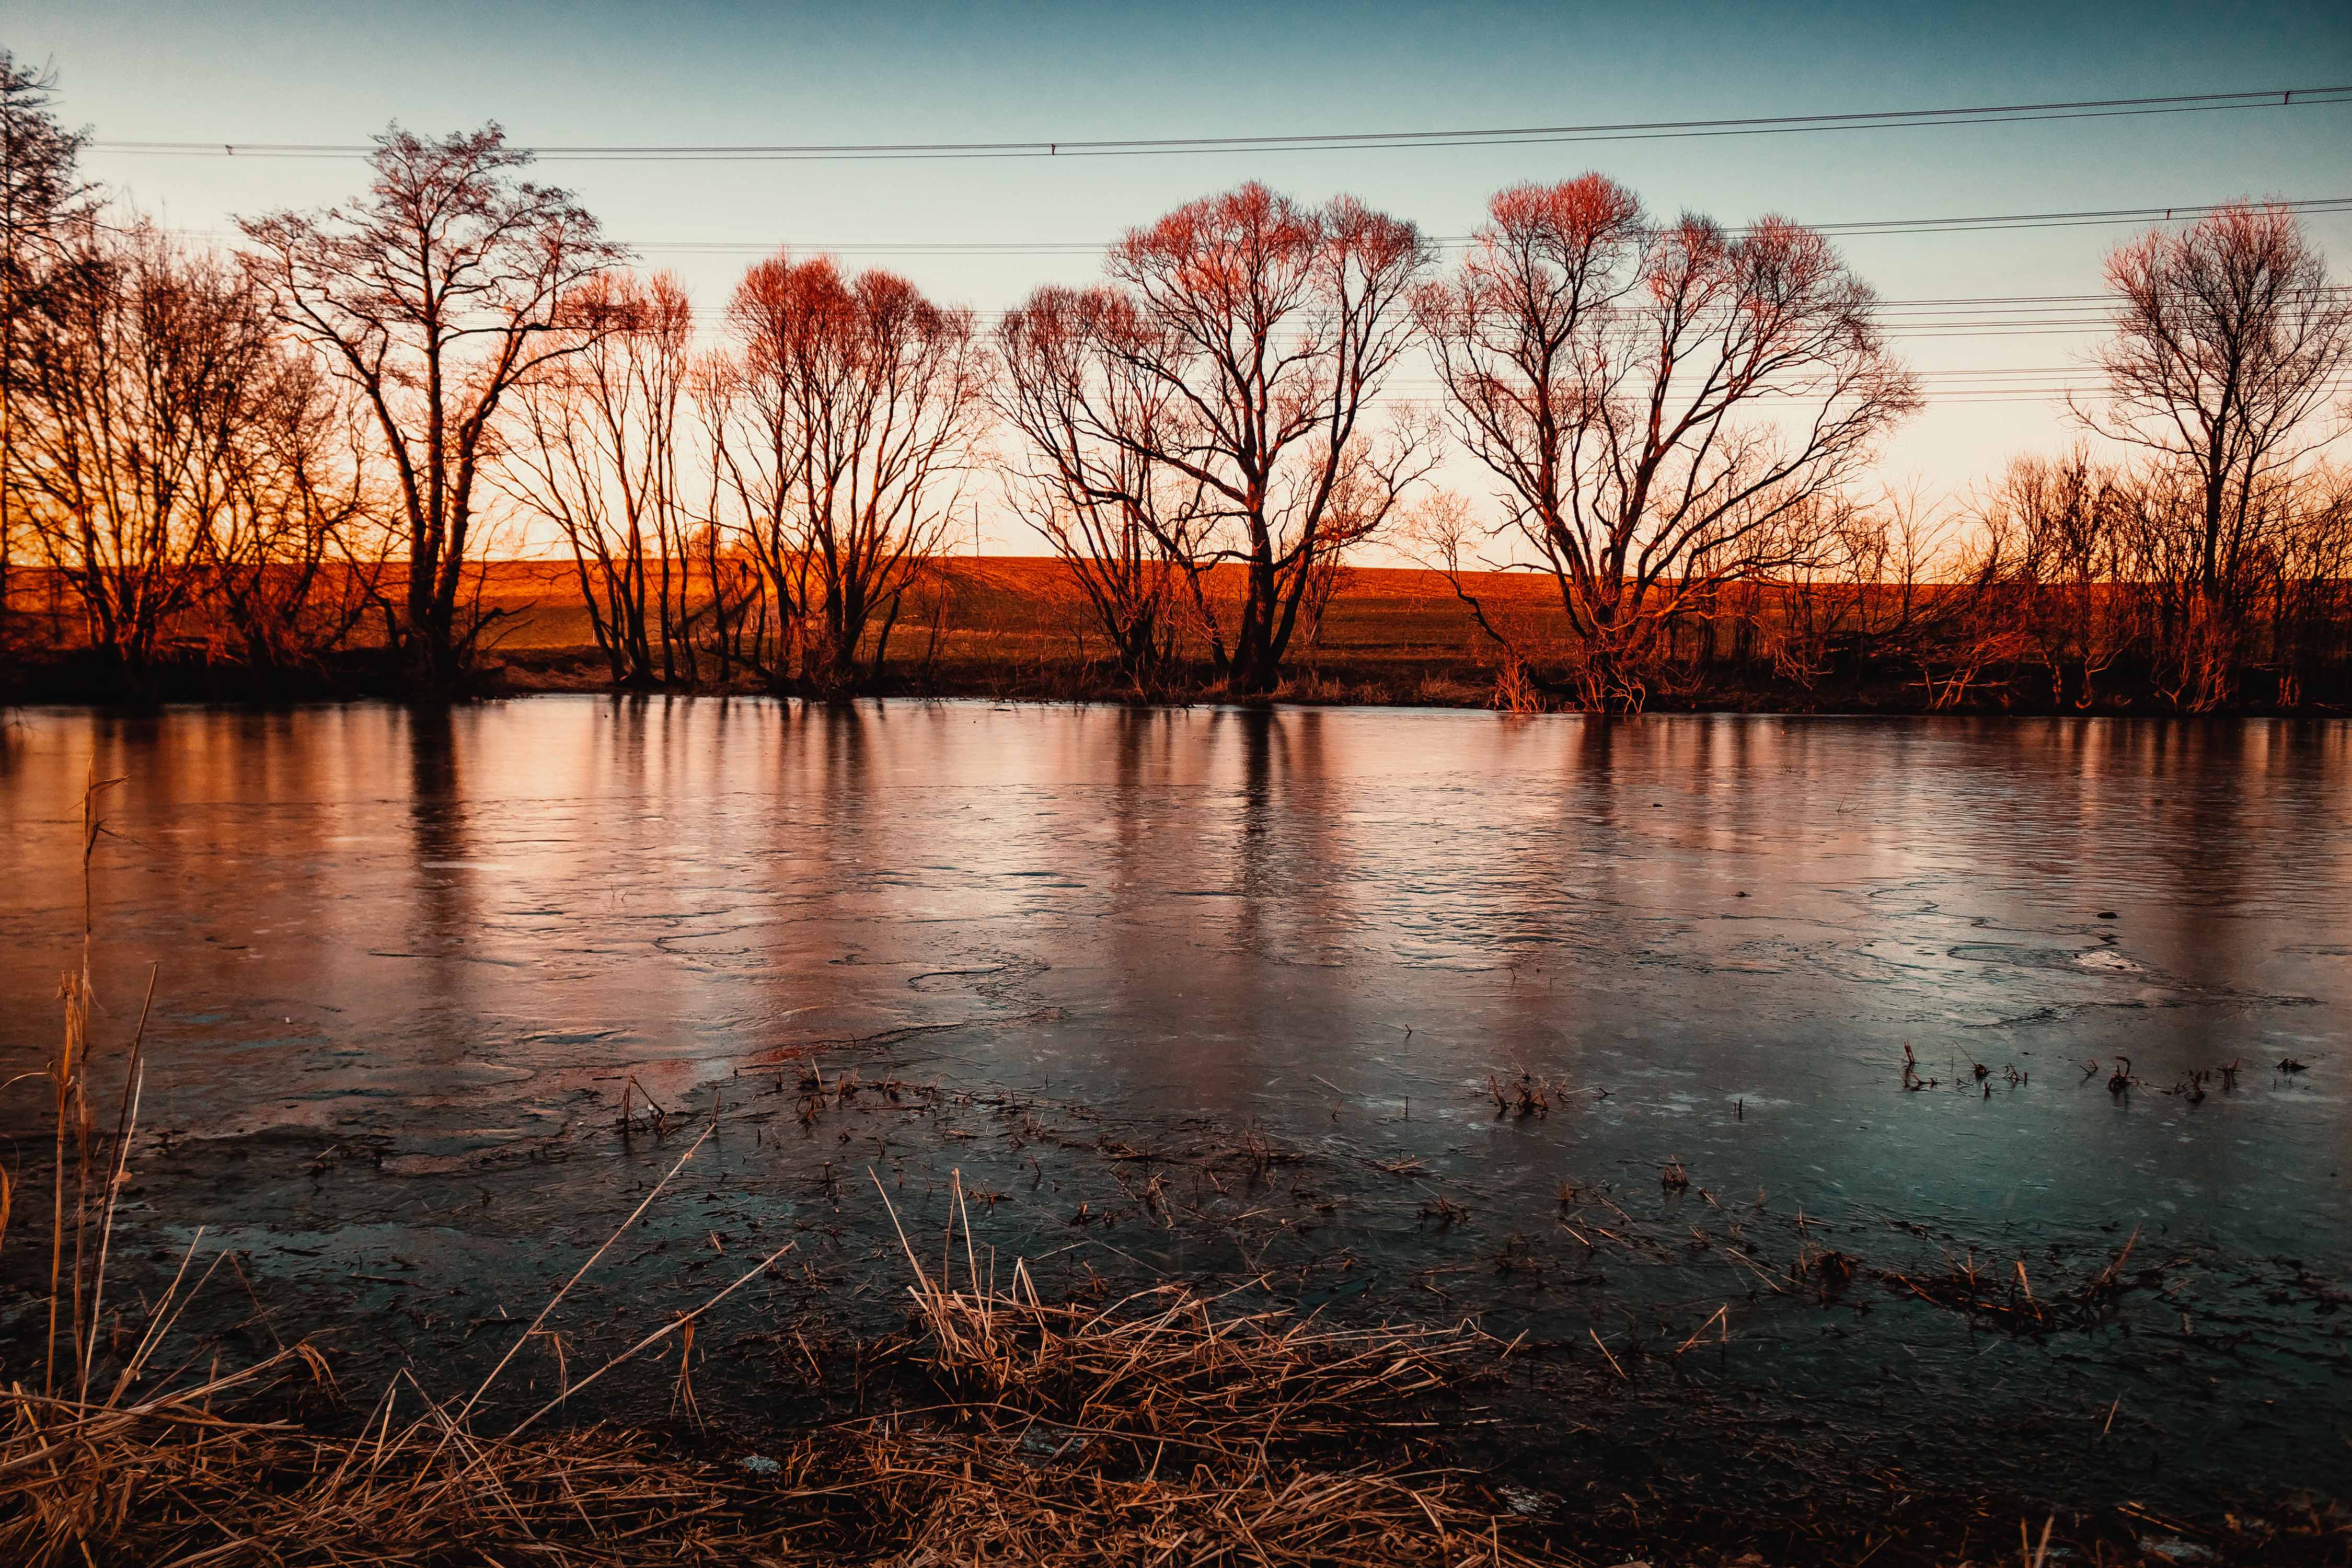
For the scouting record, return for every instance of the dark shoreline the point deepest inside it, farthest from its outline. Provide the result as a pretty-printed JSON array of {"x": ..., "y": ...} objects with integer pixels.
[
  {"x": 1580, "y": 1459},
  {"x": 1350, "y": 683},
  {"x": 1564, "y": 1460}
]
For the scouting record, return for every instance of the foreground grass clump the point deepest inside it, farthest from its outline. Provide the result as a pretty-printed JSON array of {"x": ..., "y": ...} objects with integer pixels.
[
  {"x": 1158, "y": 1430},
  {"x": 1122, "y": 1437}
]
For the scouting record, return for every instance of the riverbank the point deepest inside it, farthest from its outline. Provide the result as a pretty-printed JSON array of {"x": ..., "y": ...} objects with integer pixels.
[
  {"x": 1334, "y": 681},
  {"x": 896, "y": 1366},
  {"x": 1167, "y": 1425},
  {"x": 1017, "y": 629},
  {"x": 1141, "y": 1479}
]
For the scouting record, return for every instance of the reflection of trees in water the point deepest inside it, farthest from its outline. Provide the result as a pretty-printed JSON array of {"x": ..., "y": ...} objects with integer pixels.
[
  {"x": 1286, "y": 864},
  {"x": 825, "y": 788},
  {"x": 1136, "y": 764},
  {"x": 1215, "y": 904},
  {"x": 445, "y": 919},
  {"x": 839, "y": 733}
]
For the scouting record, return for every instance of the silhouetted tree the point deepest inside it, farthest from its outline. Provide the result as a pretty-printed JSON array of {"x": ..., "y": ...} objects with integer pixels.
[
  {"x": 297, "y": 550},
  {"x": 139, "y": 372},
  {"x": 2230, "y": 340},
  {"x": 39, "y": 194},
  {"x": 449, "y": 281},
  {"x": 2311, "y": 583},
  {"x": 2067, "y": 530},
  {"x": 1865, "y": 601},
  {"x": 1660, "y": 401},
  {"x": 844, "y": 423}
]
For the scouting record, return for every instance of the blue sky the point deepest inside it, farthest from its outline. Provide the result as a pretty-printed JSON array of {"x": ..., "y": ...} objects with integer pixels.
[{"x": 265, "y": 71}]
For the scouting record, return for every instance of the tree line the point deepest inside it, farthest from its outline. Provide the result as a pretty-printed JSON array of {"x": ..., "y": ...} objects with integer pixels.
[{"x": 302, "y": 449}]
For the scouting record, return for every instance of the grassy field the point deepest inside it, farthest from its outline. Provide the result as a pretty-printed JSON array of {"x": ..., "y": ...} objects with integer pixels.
[
  {"x": 1018, "y": 623},
  {"x": 1016, "y": 627}
]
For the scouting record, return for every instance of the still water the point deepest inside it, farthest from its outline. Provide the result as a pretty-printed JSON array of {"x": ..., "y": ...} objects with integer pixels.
[{"x": 407, "y": 964}]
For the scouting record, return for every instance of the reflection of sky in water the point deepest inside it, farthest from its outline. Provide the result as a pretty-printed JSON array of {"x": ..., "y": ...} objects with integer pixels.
[{"x": 446, "y": 930}]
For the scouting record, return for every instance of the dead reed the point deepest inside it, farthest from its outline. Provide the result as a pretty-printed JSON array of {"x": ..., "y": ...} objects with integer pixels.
[
  {"x": 2007, "y": 1299},
  {"x": 1162, "y": 1429},
  {"x": 1167, "y": 1366}
]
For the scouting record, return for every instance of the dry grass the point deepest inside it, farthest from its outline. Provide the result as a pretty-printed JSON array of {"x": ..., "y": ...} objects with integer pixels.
[
  {"x": 1006, "y": 1509},
  {"x": 1160, "y": 1430},
  {"x": 167, "y": 1482},
  {"x": 1169, "y": 1372}
]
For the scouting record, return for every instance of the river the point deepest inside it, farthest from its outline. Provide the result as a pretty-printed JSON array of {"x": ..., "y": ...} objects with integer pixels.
[{"x": 408, "y": 966}]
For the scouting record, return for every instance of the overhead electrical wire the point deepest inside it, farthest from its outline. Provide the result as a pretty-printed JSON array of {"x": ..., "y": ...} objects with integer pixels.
[
  {"x": 1510, "y": 136},
  {"x": 1988, "y": 223},
  {"x": 1909, "y": 319},
  {"x": 1991, "y": 223}
]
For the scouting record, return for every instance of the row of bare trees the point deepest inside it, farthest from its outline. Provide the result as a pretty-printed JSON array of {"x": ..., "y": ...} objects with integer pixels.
[
  {"x": 2215, "y": 557},
  {"x": 2082, "y": 583},
  {"x": 303, "y": 448},
  {"x": 765, "y": 504}
]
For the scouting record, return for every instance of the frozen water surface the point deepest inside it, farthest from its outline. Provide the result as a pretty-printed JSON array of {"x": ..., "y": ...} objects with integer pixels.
[{"x": 408, "y": 961}]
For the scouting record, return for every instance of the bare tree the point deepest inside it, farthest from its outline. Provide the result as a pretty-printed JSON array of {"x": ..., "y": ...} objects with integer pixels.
[
  {"x": 1659, "y": 402},
  {"x": 2066, "y": 529},
  {"x": 597, "y": 452},
  {"x": 2281, "y": 601},
  {"x": 1259, "y": 335},
  {"x": 748, "y": 428},
  {"x": 297, "y": 554},
  {"x": 2311, "y": 627},
  {"x": 844, "y": 424},
  {"x": 450, "y": 281},
  {"x": 39, "y": 195},
  {"x": 141, "y": 371},
  {"x": 1129, "y": 527},
  {"x": 2230, "y": 340},
  {"x": 735, "y": 610},
  {"x": 1867, "y": 599}
]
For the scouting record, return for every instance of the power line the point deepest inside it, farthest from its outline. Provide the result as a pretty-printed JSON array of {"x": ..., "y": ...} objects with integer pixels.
[
  {"x": 1992, "y": 223},
  {"x": 1982, "y": 224},
  {"x": 1933, "y": 396},
  {"x": 1629, "y": 130}
]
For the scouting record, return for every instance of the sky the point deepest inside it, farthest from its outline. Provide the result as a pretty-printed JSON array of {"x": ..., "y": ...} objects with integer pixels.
[{"x": 677, "y": 72}]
